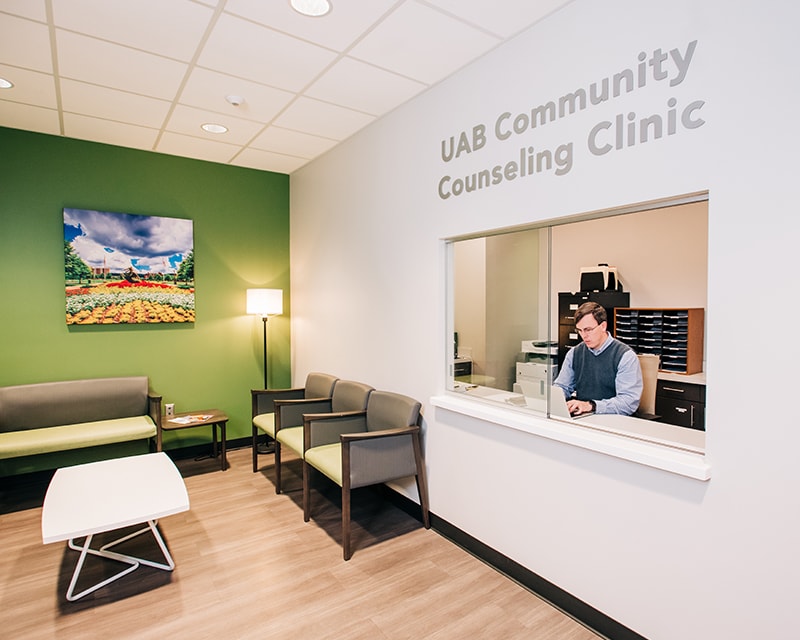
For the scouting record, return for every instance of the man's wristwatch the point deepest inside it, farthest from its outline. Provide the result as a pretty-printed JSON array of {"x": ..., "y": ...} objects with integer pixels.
[{"x": 594, "y": 405}]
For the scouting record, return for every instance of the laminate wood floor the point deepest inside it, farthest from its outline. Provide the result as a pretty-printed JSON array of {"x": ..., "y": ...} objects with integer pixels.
[{"x": 249, "y": 567}]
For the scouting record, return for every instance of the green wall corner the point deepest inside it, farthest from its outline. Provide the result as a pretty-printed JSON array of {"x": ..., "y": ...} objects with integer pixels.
[{"x": 241, "y": 240}]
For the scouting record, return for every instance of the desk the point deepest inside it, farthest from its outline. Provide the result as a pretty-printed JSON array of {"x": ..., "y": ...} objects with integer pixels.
[
  {"x": 208, "y": 417},
  {"x": 112, "y": 494}
]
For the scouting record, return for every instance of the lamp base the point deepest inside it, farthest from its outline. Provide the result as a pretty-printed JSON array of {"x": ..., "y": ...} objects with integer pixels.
[{"x": 266, "y": 447}]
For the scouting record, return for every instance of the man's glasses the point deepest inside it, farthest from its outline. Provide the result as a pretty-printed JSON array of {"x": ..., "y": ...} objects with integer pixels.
[{"x": 586, "y": 330}]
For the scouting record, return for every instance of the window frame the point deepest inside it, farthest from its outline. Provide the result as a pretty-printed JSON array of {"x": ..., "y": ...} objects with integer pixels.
[{"x": 668, "y": 447}]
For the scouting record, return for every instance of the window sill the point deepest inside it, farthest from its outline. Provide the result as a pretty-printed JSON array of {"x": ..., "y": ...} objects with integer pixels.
[{"x": 673, "y": 449}]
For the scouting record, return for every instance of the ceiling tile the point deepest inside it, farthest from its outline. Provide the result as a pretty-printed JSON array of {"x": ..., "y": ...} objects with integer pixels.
[
  {"x": 33, "y": 9},
  {"x": 337, "y": 30},
  {"x": 117, "y": 133},
  {"x": 422, "y": 43},
  {"x": 190, "y": 147},
  {"x": 322, "y": 119},
  {"x": 268, "y": 161},
  {"x": 25, "y": 44},
  {"x": 149, "y": 25},
  {"x": 112, "y": 104},
  {"x": 30, "y": 118},
  {"x": 143, "y": 72},
  {"x": 247, "y": 50},
  {"x": 501, "y": 17},
  {"x": 290, "y": 142},
  {"x": 187, "y": 120},
  {"x": 207, "y": 90},
  {"x": 98, "y": 62},
  {"x": 358, "y": 85},
  {"x": 30, "y": 87}
]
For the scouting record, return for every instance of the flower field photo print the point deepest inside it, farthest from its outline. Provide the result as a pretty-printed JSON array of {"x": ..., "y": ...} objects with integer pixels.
[{"x": 122, "y": 268}]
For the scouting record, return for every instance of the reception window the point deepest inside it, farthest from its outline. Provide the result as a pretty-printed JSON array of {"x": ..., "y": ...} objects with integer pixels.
[{"x": 512, "y": 295}]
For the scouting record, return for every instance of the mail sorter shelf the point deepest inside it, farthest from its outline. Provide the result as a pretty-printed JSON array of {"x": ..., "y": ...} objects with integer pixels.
[{"x": 675, "y": 335}]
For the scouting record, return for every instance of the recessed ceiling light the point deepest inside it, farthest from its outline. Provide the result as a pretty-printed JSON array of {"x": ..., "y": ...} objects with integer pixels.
[
  {"x": 214, "y": 128},
  {"x": 5, "y": 84},
  {"x": 313, "y": 8}
]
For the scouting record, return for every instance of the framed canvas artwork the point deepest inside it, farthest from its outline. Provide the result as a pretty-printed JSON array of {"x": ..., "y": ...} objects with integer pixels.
[{"x": 121, "y": 268}]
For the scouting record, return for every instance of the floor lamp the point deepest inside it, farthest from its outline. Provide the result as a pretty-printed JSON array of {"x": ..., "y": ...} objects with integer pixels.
[{"x": 265, "y": 303}]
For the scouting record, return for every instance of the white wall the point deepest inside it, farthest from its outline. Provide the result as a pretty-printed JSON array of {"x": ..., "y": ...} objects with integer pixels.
[
  {"x": 661, "y": 255},
  {"x": 668, "y": 556}
]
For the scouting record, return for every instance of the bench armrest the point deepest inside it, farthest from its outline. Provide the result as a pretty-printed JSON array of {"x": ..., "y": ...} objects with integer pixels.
[{"x": 154, "y": 408}]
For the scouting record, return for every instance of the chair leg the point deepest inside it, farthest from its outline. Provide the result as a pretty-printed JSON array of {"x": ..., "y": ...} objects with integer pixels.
[
  {"x": 255, "y": 449},
  {"x": 422, "y": 485},
  {"x": 277, "y": 466},
  {"x": 423, "y": 501},
  {"x": 346, "y": 552},
  {"x": 306, "y": 493}
]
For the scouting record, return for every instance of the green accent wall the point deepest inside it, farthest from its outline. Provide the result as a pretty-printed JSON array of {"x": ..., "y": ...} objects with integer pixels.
[{"x": 241, "y": 240}]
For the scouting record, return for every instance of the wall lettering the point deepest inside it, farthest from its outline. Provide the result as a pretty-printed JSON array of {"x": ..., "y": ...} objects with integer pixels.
[{"x": 624, "y": 131}]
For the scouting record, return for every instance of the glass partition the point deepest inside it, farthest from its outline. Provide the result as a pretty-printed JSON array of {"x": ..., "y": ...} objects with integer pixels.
[{"x": 508, "y": 339}]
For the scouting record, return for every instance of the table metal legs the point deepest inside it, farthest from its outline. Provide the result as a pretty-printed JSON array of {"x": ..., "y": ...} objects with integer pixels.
[{"x": 104, "y": 552}]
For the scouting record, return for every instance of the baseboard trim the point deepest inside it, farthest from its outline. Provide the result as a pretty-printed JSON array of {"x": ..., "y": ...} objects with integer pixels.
[{"x": 587, "y": 615}]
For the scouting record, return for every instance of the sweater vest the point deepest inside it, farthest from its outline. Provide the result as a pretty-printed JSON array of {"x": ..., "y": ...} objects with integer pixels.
[{"x": 595, "y": 375}]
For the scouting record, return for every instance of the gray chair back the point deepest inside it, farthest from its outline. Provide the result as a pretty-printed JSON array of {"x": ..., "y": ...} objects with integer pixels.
[
  {"x": 350, "y": 396},
  {"x": 319, "y": 385},
  {"x": 387, "y": 410}
]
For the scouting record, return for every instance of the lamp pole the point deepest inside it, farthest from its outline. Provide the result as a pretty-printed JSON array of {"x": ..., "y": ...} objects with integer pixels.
[{"x": 266, "y": 383}]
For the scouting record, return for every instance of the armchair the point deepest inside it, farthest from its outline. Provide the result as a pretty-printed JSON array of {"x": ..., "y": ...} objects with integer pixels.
[
  {"x": 371, "y": 447},
  {"x": 348, "y": 398},
  {"x": 318, "y": 385}
]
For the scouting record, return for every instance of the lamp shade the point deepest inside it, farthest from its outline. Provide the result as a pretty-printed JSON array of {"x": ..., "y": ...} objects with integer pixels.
[{"x": 265, "y": 302}]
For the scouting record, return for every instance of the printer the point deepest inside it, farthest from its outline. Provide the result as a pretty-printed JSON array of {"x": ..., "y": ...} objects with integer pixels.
[{"x": 537, "y": 366}]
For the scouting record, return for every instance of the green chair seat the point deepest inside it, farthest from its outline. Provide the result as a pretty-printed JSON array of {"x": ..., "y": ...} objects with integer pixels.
[
  {"x": 292, "y": 437},
  {"x": 327, "y": 459},
  {"x": 265, "y": 422}
]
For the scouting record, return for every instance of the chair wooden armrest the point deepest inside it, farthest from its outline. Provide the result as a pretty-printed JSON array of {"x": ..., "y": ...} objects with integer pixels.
[
  {"x": 383, "y": 433},
  {"x": 289, "y": 413},
  {"x": 315, "y": 417},
  {"x": 263, "y": 400},
  {"x": 326, "y": 428}
]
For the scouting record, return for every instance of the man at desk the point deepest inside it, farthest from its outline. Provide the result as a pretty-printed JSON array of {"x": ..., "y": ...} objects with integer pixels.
[{"x": 601, "y": 374}]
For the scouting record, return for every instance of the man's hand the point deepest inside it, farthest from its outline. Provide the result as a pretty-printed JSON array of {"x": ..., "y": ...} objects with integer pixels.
[{"x": 576, "y": 407}]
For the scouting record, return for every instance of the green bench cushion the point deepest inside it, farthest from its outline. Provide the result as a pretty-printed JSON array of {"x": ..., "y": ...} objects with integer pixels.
[
  {"x": 266, "y": 423},
  {"x": 75, "y": 436},
  {"x": 328, "y": 459},
  {"x": 292, "y": 438}
]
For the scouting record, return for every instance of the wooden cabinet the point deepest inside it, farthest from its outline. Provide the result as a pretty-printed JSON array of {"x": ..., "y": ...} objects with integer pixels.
[
  {"x": 681, "y": 403},
  {"x": 676, "y": 335}
]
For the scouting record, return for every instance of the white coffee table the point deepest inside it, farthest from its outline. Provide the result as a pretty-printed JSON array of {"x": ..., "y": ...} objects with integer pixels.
[{"x": 87, "y": 499}]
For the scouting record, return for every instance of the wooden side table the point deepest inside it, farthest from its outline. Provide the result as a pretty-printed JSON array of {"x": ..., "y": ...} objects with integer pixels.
[{"x": 186, "y": 420}]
